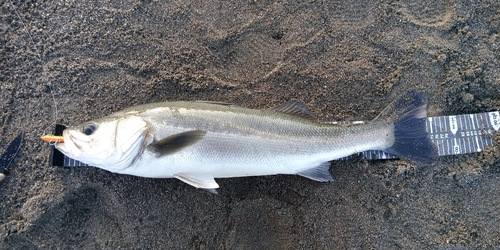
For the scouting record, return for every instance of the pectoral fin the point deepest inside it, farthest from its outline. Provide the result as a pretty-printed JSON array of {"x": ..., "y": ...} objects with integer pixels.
[
  {"x": 204, "y": 181},
  {"x": 319, "y": 173},
  {"x": 175, "y": 143}
]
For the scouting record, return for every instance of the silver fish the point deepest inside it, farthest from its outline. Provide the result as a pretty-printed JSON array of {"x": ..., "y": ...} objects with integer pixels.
[{"x": 196, "y": 142}]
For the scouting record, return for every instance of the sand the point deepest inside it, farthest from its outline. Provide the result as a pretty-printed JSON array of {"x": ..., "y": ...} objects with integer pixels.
[{"x": 345, "y": 59}]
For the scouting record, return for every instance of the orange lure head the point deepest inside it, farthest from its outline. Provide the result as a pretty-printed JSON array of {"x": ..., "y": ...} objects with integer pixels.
[{"x": 53, "y": 138}]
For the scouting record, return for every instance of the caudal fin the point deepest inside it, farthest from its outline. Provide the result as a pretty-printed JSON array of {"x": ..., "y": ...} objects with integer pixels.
[{"x": 408, "y": 114}]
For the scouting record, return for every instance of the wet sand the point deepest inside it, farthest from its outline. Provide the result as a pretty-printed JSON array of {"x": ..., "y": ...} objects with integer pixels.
[{"x": 345, "y": 60}]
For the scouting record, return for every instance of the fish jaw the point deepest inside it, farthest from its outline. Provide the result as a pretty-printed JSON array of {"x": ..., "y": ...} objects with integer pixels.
[{"x": 70, "y": 147}]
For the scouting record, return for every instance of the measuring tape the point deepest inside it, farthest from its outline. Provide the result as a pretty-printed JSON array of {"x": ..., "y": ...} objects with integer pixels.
[
  {"x": 453, "y": 135},
  {"x": 462, "y": 134}
]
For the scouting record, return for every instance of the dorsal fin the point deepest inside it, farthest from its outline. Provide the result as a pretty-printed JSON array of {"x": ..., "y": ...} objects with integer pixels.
[{"x": 295, "y": 108}]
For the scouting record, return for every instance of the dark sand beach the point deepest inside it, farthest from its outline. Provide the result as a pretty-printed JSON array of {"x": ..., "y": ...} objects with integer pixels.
[{"x": 346, "y": 60}]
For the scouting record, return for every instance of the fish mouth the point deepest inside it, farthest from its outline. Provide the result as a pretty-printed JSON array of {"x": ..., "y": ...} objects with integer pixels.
[
  {"x": 73, "y": 143},
  {"x": 76, "y": 139}
]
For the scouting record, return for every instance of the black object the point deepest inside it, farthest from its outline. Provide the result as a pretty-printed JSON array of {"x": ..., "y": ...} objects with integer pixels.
[
  {"x": 59, "y": 159},
  {"x": 9, "y": 154},
  {"x": 56, "y": 157}
]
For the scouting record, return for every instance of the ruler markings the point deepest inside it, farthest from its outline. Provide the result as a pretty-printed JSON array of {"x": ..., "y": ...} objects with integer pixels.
[{"x": 429, "y": 121}]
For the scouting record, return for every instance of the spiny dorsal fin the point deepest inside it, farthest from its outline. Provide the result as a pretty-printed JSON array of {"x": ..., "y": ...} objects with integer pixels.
[
  {"x": 295, "y": 108},
  {"x": 175, "y": 143}
]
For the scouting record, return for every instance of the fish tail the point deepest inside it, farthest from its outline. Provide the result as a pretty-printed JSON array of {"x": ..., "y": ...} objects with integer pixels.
[{"x": 411, "y": 140}]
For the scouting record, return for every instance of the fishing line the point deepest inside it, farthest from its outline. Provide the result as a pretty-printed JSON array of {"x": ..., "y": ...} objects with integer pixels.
[{"x": 44, "y": 72}]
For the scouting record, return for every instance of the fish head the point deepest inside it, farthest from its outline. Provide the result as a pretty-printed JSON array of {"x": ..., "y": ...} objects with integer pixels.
[{"x": 111, "y": 143}]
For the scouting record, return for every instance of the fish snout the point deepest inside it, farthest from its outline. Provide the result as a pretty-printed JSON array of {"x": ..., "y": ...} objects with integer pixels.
[{"x": 74, "y": 143}]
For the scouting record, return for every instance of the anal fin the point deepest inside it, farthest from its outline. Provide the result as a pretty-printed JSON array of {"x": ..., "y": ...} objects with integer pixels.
[
  {"x": 319, "y": 173},
  {"x": 204, "y": 181}
]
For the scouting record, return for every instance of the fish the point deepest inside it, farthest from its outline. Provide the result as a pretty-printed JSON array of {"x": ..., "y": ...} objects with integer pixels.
[{"x": 197, "y": 142}]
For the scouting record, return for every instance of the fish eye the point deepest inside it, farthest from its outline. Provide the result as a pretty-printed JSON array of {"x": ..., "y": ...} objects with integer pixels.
[{"x": 89, "y": 128}]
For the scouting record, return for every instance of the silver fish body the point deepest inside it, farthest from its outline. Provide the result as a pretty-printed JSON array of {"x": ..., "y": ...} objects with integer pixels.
[{"x": 198, "y": 141}]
